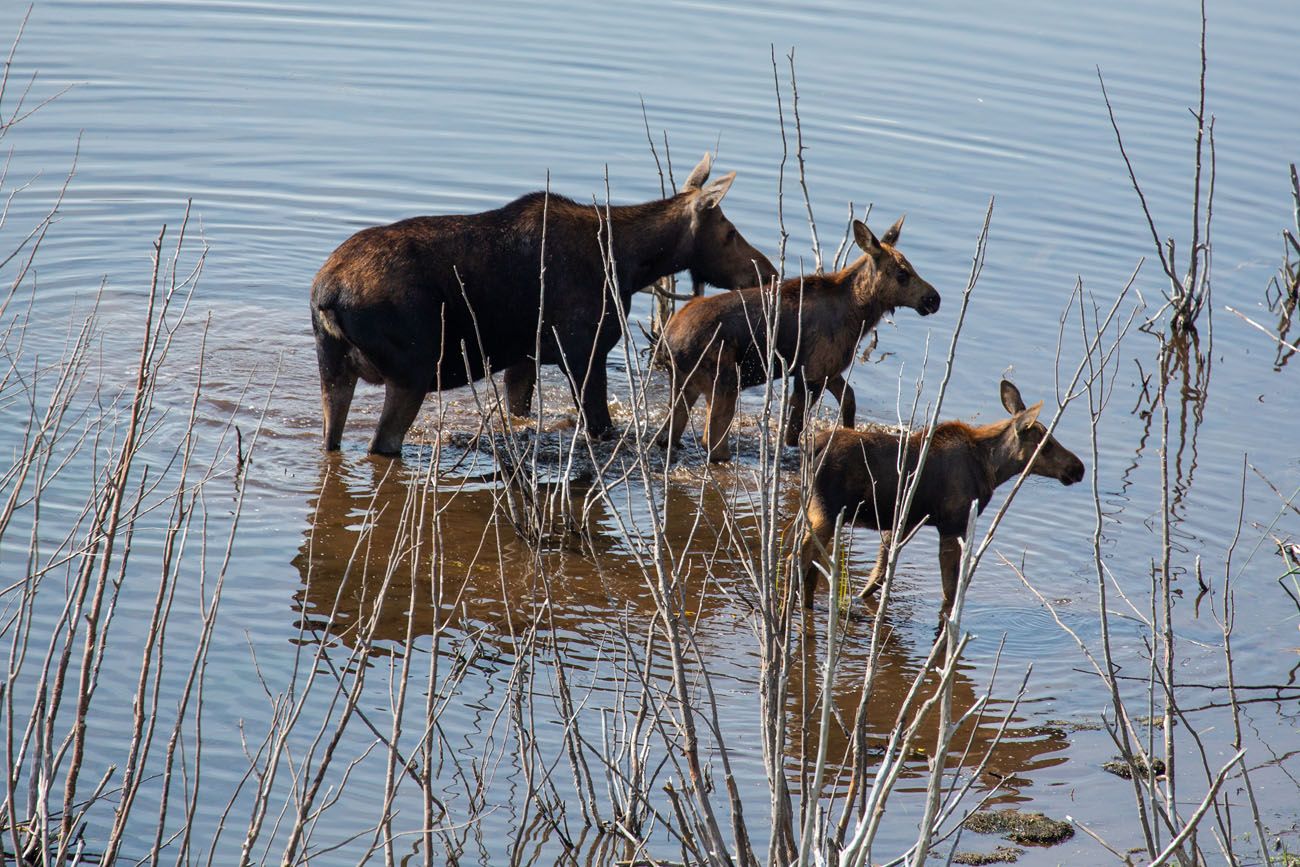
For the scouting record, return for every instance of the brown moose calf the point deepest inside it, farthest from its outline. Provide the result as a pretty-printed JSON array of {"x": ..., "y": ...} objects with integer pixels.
[
  {"x": 857, "y": 475},
  {"x": 431, "y": 303},
  {"x": 717, "y": 345}
]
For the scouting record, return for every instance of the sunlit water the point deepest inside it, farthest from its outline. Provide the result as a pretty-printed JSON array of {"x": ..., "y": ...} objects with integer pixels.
[{"x": 291, "y": 126}]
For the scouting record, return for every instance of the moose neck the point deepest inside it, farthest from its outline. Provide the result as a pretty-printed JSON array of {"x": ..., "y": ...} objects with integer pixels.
[
  {"x": 866, "y": 295},
  {"x": 650, "y": 240},
  {"x": 1000, "y": 459}
]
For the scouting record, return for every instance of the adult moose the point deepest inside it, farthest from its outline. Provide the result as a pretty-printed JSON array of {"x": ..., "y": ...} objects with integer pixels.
[
  {"x": 857, "y": 475},
  {"x": 717, "y": 345},
  {"x": 431, "y": 303}
]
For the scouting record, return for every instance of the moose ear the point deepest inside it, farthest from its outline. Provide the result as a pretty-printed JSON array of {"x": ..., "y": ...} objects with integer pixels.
[
  {"x": 1025, "y": 420},
  {"x": 1011, "y": 399},
  {"x": 711, "y": 196},
  {"x": 891, "y": 237},
  {"x": 699, "y": 174},
  {"x": 865, "y": 239}
]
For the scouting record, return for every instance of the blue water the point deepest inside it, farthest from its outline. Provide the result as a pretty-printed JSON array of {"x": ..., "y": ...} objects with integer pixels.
[{"x": 290, "y": 126}]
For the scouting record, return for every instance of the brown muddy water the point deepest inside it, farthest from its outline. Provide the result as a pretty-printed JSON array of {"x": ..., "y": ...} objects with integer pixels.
[{"x": 291, "y": 126}]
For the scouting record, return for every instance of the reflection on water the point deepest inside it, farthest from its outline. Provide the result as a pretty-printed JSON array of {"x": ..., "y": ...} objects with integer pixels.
[
  {"x": 1284, "y": 288},
  {"x": 391, "y": 555},
  {"x": 1185, "y": 369},
  {"x": 1017, "y": 749},
  {"x": 1284, "y": 308},
  {"x": 394, "y": 552},
  {"x": 443, "y": 548},
  {"x": 1172, "y": 409}
]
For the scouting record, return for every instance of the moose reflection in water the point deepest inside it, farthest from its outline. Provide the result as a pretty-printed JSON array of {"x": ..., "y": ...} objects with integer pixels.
[
  {"x": 450, "y": 550},
  {"x": 1018, "y": 751},
  {"x": 388, "y": 556}
]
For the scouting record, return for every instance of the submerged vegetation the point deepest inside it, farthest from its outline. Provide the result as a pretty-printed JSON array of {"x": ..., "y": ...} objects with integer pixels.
[
  {"x": 1033, "y": 829},
  {"x": 491, "y": 549}
]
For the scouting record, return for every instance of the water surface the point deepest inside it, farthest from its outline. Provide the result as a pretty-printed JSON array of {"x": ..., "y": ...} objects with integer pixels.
[{"x": 290, "y": 126}]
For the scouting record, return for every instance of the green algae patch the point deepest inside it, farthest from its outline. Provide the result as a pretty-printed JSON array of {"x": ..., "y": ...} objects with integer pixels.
[
  {"x": 1121, "y": 768},
  {"x": 1033, "y": 829},
  {"x": 1000, "y": 855}
]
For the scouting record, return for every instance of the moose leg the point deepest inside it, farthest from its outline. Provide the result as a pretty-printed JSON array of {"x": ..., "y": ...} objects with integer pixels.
[
  {"x": 722, "y": 410},
  {"x": 798, "y": 406},
  {"x": 594, "y": 399},
  {"x": 817, "y": 538},
  {"x": 949, "y": 565},
  {"x": 401, "y": 406},
  {"x": 847, "y": 400},
  {"x": 803, "y": 398},
  {"x": 878, "y": 570},
  {"x": 682, "y": 401},
  {"x": 338, "y": 381},
  {"x": 520, "y": 379}
]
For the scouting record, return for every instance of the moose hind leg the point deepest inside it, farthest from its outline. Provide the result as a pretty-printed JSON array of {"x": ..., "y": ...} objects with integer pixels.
[
  {"x": 722, "y": 411},
  {"x": 336, "y": 400},
  {"x": 401, "y": 406},
  {"x": 338, "y": 382},
  {"x": 520, "y": 380},
  {"x": 816, "y": 540}
]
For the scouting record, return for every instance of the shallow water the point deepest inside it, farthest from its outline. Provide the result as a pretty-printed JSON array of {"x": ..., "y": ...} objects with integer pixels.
[{"x": 290, "y": 126}]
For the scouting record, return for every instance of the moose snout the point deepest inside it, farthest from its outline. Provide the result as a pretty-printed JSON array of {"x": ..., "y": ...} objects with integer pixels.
[
  {"x": 929, "y": 304},
  {"x": 765, "y": 270},
  {"x": 1072, "y": 473}
]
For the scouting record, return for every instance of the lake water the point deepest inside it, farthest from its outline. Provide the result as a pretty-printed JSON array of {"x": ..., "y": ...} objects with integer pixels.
[{"x": 290, "y": 126}]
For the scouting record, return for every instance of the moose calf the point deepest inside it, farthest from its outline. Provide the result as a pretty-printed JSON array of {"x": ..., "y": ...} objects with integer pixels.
[
  {"x": 857, "y": 475},
  {"x": 435, "y": 302},
  {"x": 717, "y": 345}
]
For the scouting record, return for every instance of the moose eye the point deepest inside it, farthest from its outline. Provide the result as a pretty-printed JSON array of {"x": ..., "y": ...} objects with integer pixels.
[
  {"x": 904, "y": 277},
  {"x": 731, "y": 235}
]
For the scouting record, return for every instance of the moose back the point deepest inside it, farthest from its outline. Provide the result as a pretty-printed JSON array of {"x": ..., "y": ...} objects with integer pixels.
[{"x": 431, "y": 303}]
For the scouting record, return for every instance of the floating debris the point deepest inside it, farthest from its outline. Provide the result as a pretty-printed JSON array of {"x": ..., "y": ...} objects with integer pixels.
[
  {"x": 1000, "y": 855},
  {"x": 1081, "y": 725},
  {"x": 1121, "y": 768},
  {"x": 1033, "y": 829}
]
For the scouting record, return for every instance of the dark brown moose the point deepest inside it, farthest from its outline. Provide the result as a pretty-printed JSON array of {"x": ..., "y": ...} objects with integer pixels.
[
  {"x": 857, "y": 475},
  {"x": 431, "y": 303},
  {"x": 717, "y": 345}
]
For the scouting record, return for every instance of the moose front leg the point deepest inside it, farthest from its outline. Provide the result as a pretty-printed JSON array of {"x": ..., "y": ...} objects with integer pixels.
[
  {"x": 684, "y": 396},
  {"x": 847, "y": 400},
  {"x": 520, "y": 379},
  {"x": 949, "y": 566},
  {"x": 803, "y": 396}
]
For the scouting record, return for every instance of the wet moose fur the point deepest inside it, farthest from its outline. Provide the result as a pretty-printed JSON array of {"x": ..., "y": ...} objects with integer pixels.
[
  {"x": 857, "y": 476},
  {"x": 431, "y": 303},
  {"x": 717, "y": 345}
]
